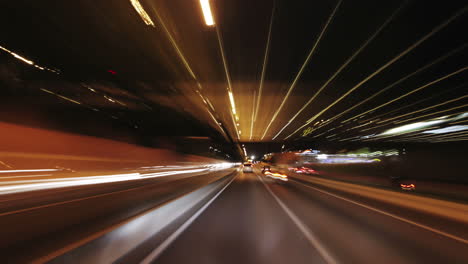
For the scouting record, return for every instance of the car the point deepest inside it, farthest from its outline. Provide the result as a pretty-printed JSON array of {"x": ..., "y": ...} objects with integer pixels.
[
  {"x": 247, "y": 167},
  {"x": 408, "y": 187}
]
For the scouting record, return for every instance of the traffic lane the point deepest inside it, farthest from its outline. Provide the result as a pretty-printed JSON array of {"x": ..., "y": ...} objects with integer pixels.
[
  {"x": 355, "y": 234},
  {"x": 128, "y": 239},
  {"x": 244, "y": 225},
  {"x": 42, "y": 229},
  {"x": 444, "y": 216}
]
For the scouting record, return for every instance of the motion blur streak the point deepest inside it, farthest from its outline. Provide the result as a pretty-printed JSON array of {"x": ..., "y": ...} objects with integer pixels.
[
  {"x": 423, "y": 109},
  {"x": 348, "y": 61},
  {"x": 37, "y": 185},
  {"x": 17, "y": 56},
  {"x": 298, "y": 75},
  {"x": 411, "y": 92},
  {"x": 33, "y": 170},
  {"x": 264, "y": 65},
  {"x": 141, "y": 11},
  {"x": 396, "y": 58},
  {"x": 234, "y": 116},
  {"x": 398, "y": 82},
  {"x": 205, "y": 5}
]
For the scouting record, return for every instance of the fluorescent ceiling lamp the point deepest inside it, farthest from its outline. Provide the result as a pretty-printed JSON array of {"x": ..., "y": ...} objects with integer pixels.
[
  {"x": 449, "y": 129},
  {"x": 141, "y": 11},
  {"x": 205, "y": 5}
]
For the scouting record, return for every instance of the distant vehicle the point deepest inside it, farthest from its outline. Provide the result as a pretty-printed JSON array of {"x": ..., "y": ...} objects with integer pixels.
[
  {"x": 303, "y": 170},
  {"x": 408, "y": 187},
  {"x": 247, "y": 167}
]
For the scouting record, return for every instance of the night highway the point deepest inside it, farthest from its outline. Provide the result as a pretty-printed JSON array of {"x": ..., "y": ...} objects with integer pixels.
[{"x": 233, "y": 131}]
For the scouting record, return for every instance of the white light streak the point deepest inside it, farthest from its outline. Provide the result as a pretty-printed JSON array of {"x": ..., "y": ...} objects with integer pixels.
[
  {"x": 233, "y": 104},
  {"x": 265, "y": 60},
  {"x": 205, "y": 5},
  {"x": 349, "y": 60},
  {"x": 141, "y": 11},
  {"x": 396, "y": 58},
  {"x": 43, "y": 184},
  {"x": 411, "y": 127},
  {"x": 306, "y": 62},
  {"x": 444, "y": 130}
]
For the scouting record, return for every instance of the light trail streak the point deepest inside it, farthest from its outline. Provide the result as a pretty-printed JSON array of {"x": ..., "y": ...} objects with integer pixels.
[
  {"x": 27, "y": 61},
  {"x": 459, "y": 122},
  {"x": 60, "y": 96},
  {"x": 438, "y": 112},
  {"x": 400, "y": 81},
  {"x": 396, "y": 99},
  {"x": 298, "y": 76},
  {"x": 427, "y": 138},
  {"x": 349, "y": 60},
  {"x": 186, "y": 65},
  {"x": 450, "y": 140},
  {"x": 368, "y": 122},
  {"x": 234, "y": 116},
  {"x": 43, "y": 184},
  {"x": 253, "y": 115},
  {"x": 141, "y": 11},
  {"x": 374, "y": 127},
  {"x": 265, "y": 60},
  {"x": 437, "y": 95},
  {"x": 205, "y": 5},
  {"x": 396, "y": 58},
  {"x": 421, "y": 110},
  {"x": 30, "y": 62},
  {"x": 175, "y": 46}
]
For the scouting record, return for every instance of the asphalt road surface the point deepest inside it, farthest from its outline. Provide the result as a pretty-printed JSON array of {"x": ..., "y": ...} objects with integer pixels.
[
  {"x": 231, "y": 218},
  {"x": 258, "y": 221}
]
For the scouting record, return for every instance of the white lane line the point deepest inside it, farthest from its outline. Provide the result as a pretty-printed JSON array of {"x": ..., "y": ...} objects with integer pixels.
[
  {"x": 459, "y": 239},
  {"x": 157, "y": 251},
  {"x": 304, "y": 229}
]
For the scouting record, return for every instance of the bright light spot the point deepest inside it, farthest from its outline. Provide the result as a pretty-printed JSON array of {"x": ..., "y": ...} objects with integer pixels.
[
  {"x": 322, "y": 156},
  {"x": 141, "y": 11},
  {"x": 411, "y": 127},
  {"x": 205, "y": 5},
  {"x": 446, "y": 130},
  {"x": 233, "y": 104},
  {"x": 17, "y": 56},
  {"x": 252, "y": 157}
]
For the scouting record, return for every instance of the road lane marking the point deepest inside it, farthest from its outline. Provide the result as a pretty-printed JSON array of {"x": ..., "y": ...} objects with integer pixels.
[
  {"x": 459, "y": 239},
  {"x": 168, "y": 241},
  {"x": 303, "y": 228},
  {"x": 61, "y": 251}
]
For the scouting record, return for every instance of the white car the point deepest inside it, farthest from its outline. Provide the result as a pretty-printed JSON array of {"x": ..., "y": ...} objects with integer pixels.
[{"x": 247, "y": 167}]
